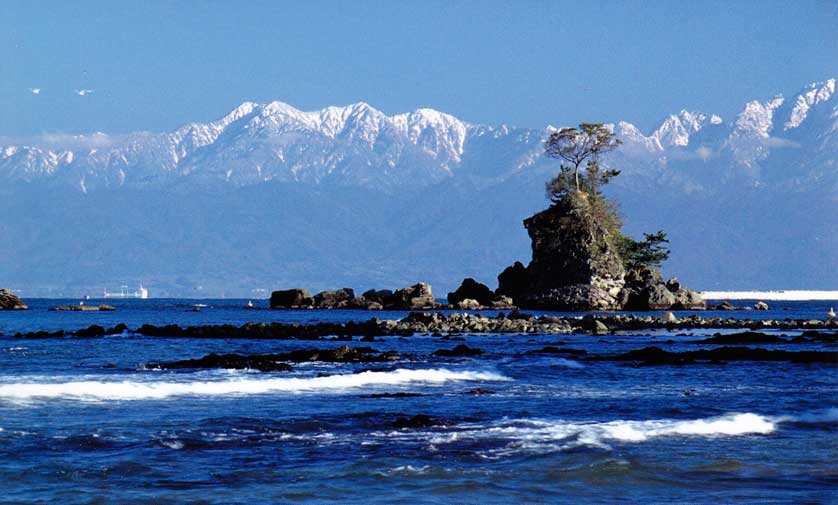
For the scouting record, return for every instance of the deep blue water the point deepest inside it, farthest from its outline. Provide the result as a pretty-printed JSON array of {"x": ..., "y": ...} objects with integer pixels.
[{"x": 84, "y": 422}]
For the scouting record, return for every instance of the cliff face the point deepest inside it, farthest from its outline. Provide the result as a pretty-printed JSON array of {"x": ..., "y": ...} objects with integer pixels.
[{"x": 576, "y": 265}]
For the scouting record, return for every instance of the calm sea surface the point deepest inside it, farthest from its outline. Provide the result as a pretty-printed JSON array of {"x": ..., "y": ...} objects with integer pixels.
[{"x": 83, "y": 421}]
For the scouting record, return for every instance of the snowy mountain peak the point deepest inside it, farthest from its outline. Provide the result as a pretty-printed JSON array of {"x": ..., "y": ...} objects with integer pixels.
[
  {"x": 677, "y": 129},
  {"x": 815, "y": 93}
]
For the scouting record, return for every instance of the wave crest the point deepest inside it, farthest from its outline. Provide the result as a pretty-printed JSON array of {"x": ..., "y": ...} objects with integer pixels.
[{"x": 140, "y": 390}]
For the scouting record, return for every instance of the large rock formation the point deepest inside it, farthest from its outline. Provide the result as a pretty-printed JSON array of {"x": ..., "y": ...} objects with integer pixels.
[
  {"x": 291, "y": 299},
  {"x": 10, "y": 301},
  {"x": 577, "y": 265},
  {"x": 416, "y": 297}
]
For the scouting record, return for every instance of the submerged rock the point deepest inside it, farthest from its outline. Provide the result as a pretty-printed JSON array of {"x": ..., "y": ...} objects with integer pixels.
[
  {"x": 84, "y": 308},
  {"x": 10, "y": 301},
  {"x": 656, "y": 356},
  {"x": 459, "y": 351},
  {"x": 275, "y": 362},
  {"x": 745, "y": 337},
  {"x": 417, "y": 421},
  {"x": 262, "y": 363}
]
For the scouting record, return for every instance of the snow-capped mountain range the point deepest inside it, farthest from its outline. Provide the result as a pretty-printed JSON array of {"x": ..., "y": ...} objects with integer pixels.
[
  {"x": 421, "y": 177},
  {"x": 359, "y": 145}
]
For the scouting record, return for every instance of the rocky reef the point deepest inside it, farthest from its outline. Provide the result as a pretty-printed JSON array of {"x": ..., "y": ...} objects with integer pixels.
[
  {"x": 577, "y": 264},
  {"x": 416, "y": 297},
  {"x": 10, "y": 301}
]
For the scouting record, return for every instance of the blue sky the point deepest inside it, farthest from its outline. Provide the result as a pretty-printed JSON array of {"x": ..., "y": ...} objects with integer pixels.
[{"x": 155, "y": 65}]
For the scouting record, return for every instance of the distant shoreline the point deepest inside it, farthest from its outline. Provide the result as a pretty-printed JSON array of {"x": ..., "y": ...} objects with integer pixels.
[{"x": 779, "y": 295}]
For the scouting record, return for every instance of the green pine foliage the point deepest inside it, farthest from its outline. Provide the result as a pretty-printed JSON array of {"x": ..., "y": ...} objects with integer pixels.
[{"x": 579, "y": 183}]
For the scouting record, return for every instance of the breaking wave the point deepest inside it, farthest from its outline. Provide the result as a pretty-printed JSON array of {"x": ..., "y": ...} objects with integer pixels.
[
  {"x": 510, "y": 437},
  {"x": 138, "y": 390}
]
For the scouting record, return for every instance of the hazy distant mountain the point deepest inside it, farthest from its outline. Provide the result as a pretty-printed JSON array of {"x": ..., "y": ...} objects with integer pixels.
[{"x": 271, "y": 196}]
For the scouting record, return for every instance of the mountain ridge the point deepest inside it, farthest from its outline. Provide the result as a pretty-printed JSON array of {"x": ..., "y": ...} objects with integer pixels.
[{"x": 419, "y": 182}]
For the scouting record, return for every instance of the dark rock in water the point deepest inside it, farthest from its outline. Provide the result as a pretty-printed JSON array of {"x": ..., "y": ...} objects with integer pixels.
[
  {"x": 291, "y": 299},
  {"x": 392, "y": 395},
  {"x": 84, "y": 308},
  {"x": 263, "y": 363},
  {"x": 760, "y": 306},
  {"x": 92, "y": 331},
  {"x": 657, "y": 356},
  {"x": 416, "y": 297},
  {"x": 116, "y": 330},
  {"x": 379, "y": 296},
  {"x": 745, "y": 337},
  {"x": 514, "y": 282},
  {"x": 10, "y": 301},
  {"x": 480, "y": 391},
  {"x": 41, "y": 334},
  {"x": 459, "y": 351},
  {"x": 273, "y": 362},
  {"x": 725, "y": 305},
  {"x": 471, "y": 289},
  {"x": 341, "y": 298},
  {"x": 559, "y": 350},
  {"x": 343, "y": 354},
  {"x": 417, "y": 421}
]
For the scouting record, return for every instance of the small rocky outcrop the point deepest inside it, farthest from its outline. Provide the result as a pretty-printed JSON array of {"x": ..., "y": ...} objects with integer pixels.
[
  {"x": 377, "y": 298},
  {"x": 84, "y": 308},
  {"x": 416, "y": 297},
  {"x": 291, "y": 299},
  {"x": 460, "y": 351},
  {"x": 339, "y": 299},
  {"x": 10, "y": 301},
  {"x": 417, "y": 421},
  {"x": 645, "y": 289},
  {"x": 651, "y": 356},
  {"x": 473, "y": 295},
  {"x": 470, "y": 289}
]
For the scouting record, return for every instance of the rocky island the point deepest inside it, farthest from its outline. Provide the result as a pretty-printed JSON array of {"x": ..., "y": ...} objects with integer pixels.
[
  {"x": 581, "y": 260},
  {"x": 10, "y": 301}
]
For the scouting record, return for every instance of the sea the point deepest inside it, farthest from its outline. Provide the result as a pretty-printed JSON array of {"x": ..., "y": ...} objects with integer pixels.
[{"x": 85, "y": 421}]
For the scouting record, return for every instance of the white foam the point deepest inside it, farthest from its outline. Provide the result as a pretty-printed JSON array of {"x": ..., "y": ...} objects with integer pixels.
[
  {"x": 791, "y": 295},
  {"x": 567, "y": 363},
  {"x": 139, "y": 390},
  {"x": 530, "y": 435}
]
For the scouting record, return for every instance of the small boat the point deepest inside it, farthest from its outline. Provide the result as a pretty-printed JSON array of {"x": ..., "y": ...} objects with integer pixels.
[
  {"x": 198, "y": 306},
  {"x": 249, "y": 304},
  {"x": 831, "y": 312}
]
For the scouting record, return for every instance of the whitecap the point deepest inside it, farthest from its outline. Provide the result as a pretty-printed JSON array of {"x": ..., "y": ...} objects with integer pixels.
[
  {"x": 152, "y": 390},
  {"x": 543, "y": 436}
]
